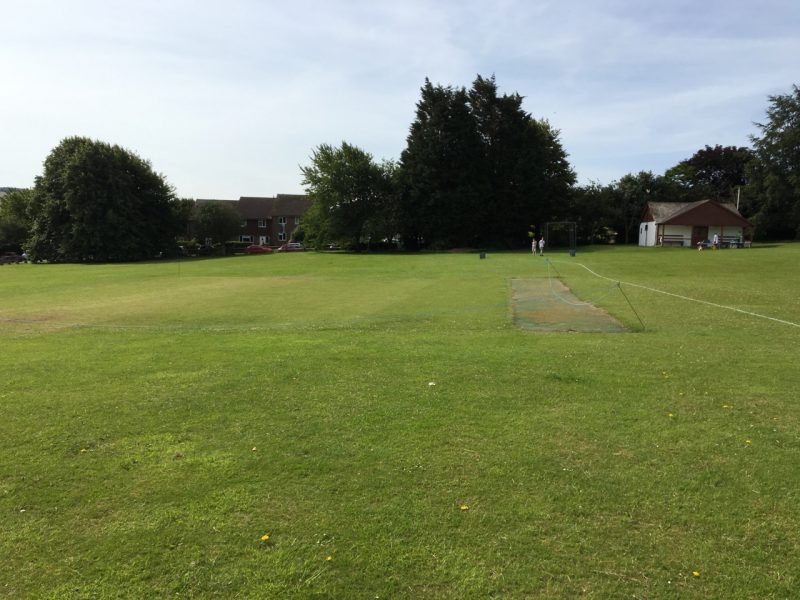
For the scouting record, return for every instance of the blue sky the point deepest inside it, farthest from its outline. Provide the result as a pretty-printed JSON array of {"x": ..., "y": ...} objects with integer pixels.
[{"x": 228, "y": 99}]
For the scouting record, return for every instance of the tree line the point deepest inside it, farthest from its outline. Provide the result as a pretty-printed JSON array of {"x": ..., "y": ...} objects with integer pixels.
[{"x": 477, "y": 171}]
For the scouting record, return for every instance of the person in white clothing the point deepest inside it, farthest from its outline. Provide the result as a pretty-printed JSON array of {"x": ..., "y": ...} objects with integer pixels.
[{"x": 541, "y": 247}]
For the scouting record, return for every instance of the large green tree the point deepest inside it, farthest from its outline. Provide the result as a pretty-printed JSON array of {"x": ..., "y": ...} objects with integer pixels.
[
  {"x": 478, "y": 169},
  {"x": 352, "y": 197},
  {"x": 593, "y": 208},
  {"x": 773, "y": 195},
  {"x": 443, "y": 188},
  {"x": 217, "y": 220},
  {"x": 14, "y": 219},
  {"x": 712, "y": 173},
  {"x": 99, "y": 202}
]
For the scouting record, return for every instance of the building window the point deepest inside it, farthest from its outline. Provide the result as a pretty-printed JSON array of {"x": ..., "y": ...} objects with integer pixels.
[
  {"x": 281, "y": 220},
  {"x": 297, "y": 220},
  {"x": 262, "y": 223},
  {"x": 246, "y": 238},
  {"x": 282, "y": 236}
]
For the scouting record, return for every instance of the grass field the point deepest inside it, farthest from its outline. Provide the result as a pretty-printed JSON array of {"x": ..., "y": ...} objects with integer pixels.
[{"x": 383, "y": 422}]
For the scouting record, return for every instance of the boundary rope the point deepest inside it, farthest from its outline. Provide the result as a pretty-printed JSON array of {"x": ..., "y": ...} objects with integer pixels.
[
  {"x": 682, "y": 297},
  {"x": 586, "y": 303}
]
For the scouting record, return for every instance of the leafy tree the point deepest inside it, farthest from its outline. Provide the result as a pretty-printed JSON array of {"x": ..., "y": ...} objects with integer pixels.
[
  {"x": 630, "y": 195},
  {"x": 478, "y": 169},
  {"x": 592, "y": 207},
  {"x": 442, "y": 186},
  {"x": 14, "y": 220},
  {"x": 548, "y": 179},
  {"x": 351, "y": 196},
  {"x": 711, "y": 173},
  {"x": 217, "y": 220},
  {"x": 98, "y": 202},
  {"x": 774, "y": 193},
  {"x": 183, "y": 213}
]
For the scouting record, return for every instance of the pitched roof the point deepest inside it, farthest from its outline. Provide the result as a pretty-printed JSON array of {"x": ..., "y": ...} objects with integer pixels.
[
  {"x": 264, "y": 207},
  {"x": 283, "y": 205},
  {"x": 702, "y": 212},
  {"x": 661, "y": 211}
]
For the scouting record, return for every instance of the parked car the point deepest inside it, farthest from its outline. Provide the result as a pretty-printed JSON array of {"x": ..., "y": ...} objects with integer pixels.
[
  {"x": 13, "y": 258},
  {"x": 292, "y": 247},
  {"x": 256, "y": 249}
]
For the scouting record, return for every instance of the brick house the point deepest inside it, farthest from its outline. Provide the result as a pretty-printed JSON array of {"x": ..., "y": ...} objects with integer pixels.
[{"x": 269, "y": 221}]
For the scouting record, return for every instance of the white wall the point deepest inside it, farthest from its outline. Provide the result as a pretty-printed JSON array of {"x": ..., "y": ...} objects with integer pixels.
[{"x": 647, "y": 234}]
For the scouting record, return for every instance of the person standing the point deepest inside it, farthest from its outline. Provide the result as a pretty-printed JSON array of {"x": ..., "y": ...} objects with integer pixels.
[
  {"x": 533, "y": 245},
  {"x": 715, "y": 243},
  {"x": 541, "y": 246}
]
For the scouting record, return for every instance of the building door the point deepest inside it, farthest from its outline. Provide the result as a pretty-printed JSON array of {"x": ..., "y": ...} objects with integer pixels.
[
  {"x": 699, "y": 234},
  {"x": 262, "y": 239}
]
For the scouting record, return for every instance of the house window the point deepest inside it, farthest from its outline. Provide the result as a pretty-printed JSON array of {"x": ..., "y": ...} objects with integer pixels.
[
  {"x": 282, "y": 236},
  {"x": 297, "y": 220},
  {"x": 246, "y": 238},
  {"x": 262, "y": 223},
  {"x": 281, "y": 220}
]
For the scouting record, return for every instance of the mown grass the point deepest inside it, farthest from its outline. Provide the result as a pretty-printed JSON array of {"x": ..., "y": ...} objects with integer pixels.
[{"x": 158, "y": 419}]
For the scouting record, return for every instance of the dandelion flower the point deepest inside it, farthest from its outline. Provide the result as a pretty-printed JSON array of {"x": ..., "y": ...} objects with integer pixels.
[
  {"x": 265, "y": 537},
  {"x": 748, "y": 441},
  {"x": 464, "y": 507},
  {"x": 696, "y": 573},
  {"x": 83, "y": 450},
  {"x": 670, "y": 415},
  {"x": 329, "y": 558}
]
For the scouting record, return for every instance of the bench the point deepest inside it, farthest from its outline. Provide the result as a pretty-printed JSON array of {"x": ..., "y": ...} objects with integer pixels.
[
  {"x": 672, "y": 239},
  {"x": 730, "y": 241},
  {"x": 12, "y": 258}
]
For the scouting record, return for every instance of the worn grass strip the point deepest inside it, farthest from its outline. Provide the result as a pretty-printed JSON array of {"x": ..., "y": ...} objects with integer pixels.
[{"x": 548, "y": 305}]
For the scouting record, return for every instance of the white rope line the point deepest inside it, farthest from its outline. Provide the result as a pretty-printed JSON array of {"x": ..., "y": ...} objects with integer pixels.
[
  {"x": 714, "y": 304},
  {"x": 586, "y": 303}
]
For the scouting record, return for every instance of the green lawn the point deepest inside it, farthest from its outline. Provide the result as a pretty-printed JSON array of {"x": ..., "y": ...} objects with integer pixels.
[{"x": 380, "y": 418}]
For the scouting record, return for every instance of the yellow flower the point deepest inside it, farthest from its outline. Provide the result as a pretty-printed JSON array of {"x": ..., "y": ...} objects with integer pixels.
[
  {"x": 328, "y": 558},
  {"x": 748, "y": 441},
  {"x": 670, "y": 415},
  {"x": 696, "y": 573},
  {"x": 464, "y": 507},
  {"x": 83, "y": 450},
  {"x": 265, "y": 537}
]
